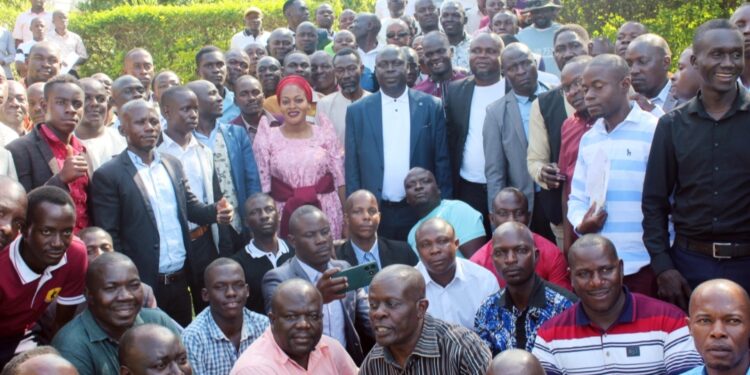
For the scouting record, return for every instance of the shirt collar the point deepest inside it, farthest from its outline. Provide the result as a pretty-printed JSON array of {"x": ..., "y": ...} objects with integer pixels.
[
  {"x": 138, "y": 162},
  {"x": 312, "y": 273},
  {"x": 282, "y": 358},
  {"x": 256, "y": 253},
  {"x": 403, "y": 98},
  {"x": 538, "y": 296},
  {"x": 95, "y": 331},
  {"x": 627, "y": 315},
  {"x": 663, "y": 94},
  {"x": 459, "y": 275},
  {"x": 25, "y": 273},
  {"x": 169, "y": 142},
  {"x": 741, "y": 103},
  {"x": 633, "y": 117},
  {"x": 373, "y": 250},
  {"x": 216, "y": 332},
  {"x": 540, "y": 88}
]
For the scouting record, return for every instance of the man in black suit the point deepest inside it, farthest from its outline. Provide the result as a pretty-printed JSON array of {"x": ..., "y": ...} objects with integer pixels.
[
  {"x": 466, "y": 102},
  {"x": 346, "y": 314},
  {"x": 265, "y": 251},
  {"x": 143, "y": 200},
  {"x": 362, "y": 217}
]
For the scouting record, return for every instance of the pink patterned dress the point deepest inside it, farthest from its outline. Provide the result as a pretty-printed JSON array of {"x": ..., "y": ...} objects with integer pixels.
[{"x": 302, "y": 163}]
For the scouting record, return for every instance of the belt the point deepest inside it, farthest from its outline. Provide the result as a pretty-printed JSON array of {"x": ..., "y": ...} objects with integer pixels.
[
  {"x": 401, "y": 203},
  {"x": 170, "y": 278},
  {"x": 470, "y": 183},
  {"x": 718, "y": 250},
  {"x": 198, "y": 232}
]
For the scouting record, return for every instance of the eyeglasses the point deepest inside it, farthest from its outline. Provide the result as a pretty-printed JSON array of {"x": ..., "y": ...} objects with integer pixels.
[{"x": 402, "y": 34}]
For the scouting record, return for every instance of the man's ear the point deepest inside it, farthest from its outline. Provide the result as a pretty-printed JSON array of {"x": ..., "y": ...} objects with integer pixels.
[{"x": 422, "y": 305}]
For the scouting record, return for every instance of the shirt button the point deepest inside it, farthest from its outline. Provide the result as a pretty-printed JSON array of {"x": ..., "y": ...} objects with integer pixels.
[
  {"x": 607, "y": 354},
  {"x": 716, "y": 193},
  {"x": 716, "y": 144},
  {"x": 716, "y": 168},
  {"x": 716, "y": 219}
]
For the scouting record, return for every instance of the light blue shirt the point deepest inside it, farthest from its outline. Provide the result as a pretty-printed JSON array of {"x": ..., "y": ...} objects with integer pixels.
[
  {"x": 466, "y": 221},
  {"x": 540, "y": 42},
  {"x": 231, "y": 110},
  {"x": 163, "y": 201},
  {"x": 524, "y": 106},
  {"x": 333, "y": 312},
  {"x": 360, "y": 254},
  {"x": 701, "y": 370},
  {"x": 209, "y": 140},
  {"x": 210, "y": 351}
]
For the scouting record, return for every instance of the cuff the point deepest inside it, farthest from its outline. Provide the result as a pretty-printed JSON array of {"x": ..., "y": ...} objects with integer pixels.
[{"x": 661, "y": 262}]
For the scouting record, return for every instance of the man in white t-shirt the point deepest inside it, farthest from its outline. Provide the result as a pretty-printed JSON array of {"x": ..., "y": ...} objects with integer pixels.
[
  {"x": 539, "y": 36},
  {"x": 102, "y": 142},
  {"x": 253, "y": 31},
  {"x": 21, "y": 30}
]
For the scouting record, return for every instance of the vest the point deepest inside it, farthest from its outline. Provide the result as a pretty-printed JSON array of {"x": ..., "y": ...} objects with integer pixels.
[{"x": 552, "y": 107}]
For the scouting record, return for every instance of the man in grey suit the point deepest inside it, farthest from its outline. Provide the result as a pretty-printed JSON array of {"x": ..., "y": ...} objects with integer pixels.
[
  {"x": 506, "y": 127},
  {"x": 410, "y": 126},
  {"x": 649, "y": 58},
  {"x": 345, "y": 314}
]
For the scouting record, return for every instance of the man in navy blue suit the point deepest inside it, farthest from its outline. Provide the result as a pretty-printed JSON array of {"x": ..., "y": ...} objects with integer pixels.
[{"x": 387, "y": 134}]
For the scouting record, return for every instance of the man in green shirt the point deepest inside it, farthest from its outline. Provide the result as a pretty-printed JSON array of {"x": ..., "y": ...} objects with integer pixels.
[{"x": 115, "y": 297}]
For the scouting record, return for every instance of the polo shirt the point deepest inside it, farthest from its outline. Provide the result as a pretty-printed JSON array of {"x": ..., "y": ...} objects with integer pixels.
[
  {"x": 265, "y": 357},
  {"x": 649, "y": 337},
  {"x": 210, "y": 351},
  {"x": 441, "y": 348},
  {"x": 91, "y": 350},
  {"x": 466, "y": 221},
  {"x": 25, "y": 294}
]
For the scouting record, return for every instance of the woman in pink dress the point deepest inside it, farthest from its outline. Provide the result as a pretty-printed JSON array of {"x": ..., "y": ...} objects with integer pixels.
[{"x": 301, "y": 163}]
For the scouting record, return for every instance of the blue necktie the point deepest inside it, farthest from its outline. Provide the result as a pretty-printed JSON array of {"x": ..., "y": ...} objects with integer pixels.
[{"x": 369, "y": 258}]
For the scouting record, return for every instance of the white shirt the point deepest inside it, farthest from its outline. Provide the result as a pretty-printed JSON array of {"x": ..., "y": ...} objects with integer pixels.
[
  {"x": 71, "y": 46},
  {"x": 333, "y": 312},
  {"x": 256, "y": 253},
  {"x": 23, "y": 50},
  {"x": 104, "y": 147},
  {"x": 381, "y": 9},
  {"x": 661, "y": 99},
  {"x": 22, "y": 28},
  {"x": 397, "y": 142},
  {"x": 242, "y": 39},
  {"x": 334, "y": 106},
  {"x": 472, "y": 167},
  {"x": 7, "y": 135},
  {"x": 459, "y": 301},
  {"x": 163, "y": 201},
  {"x": 191, "y": 163},
  {"x": 368, "y": 58}
]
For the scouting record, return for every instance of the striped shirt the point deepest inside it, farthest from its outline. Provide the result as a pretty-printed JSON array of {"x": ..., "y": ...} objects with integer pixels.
[
  {"x": 442, "y": 348},
  {"x": 210, "y": 351},
  {"x": 627, "y": 148},
  {"x": 649, "y": 337}
]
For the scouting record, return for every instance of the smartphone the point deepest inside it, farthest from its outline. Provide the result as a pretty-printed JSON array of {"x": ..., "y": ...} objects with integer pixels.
[{"x": 358, "y": 276}]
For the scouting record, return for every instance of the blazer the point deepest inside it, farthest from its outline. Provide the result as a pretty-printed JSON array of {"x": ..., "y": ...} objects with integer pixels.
[
  {"x": 35, "y": 164},
  {"x": 244, "y": 170},
  {"x": 458, "y": 99},
  {"x": 356, "y": 317},
  {"x": 121, "y": 206},
  {"x": 505, "y": 147},
  {"x": 389, "y": 251},
  {"x": 364, "y": 148}
]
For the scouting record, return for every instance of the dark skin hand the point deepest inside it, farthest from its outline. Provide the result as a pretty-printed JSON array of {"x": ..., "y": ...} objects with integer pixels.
[
  {"x": 643, "y": 102},
  {"x": 468, "y": 249},
  {"x": 673, "y": 288},
  {"x": 330, "y": 287},
  {"x": 224, "y": 212},
  {"x": 593, "y": 221},
  {"x": 551, "y": 176},
  {"x": 74, "y": 166}
]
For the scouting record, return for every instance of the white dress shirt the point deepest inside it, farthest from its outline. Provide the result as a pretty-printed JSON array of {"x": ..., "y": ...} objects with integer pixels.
[
  {"x": 333, "y": 312},
  {"x": 192, "y": 164},
  {"x": 163, "y": 201},
  {"x": 334, "y": 106},
  {"x": 396, "y": 145},
  {"x": 661, "y": 99},
  {"x": 472, "y": 166},
  {"x": 459, "y": 301},
  {"x": 368, "y": 58}
]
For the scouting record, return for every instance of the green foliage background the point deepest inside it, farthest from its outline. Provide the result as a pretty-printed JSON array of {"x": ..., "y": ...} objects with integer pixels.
[{"x": 173, "y": 30}]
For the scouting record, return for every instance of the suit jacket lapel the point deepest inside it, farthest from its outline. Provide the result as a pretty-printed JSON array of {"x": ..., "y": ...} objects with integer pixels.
[
  {"x": 377, "y": 128},
  {"x": 133, "y": 173},
  {"x": 468, "y": 95},
  {"x": 178, "y": 193},
  {"x": 46, "y": 152},
  {"x": 513, "y": 114},
  {"x": 416, "y": 114},
  {"x": 384, "y": 253},
  {"x": 297, "y": 269}
]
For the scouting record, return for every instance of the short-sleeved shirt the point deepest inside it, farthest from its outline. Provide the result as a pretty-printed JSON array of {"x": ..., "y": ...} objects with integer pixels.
[
  {"x": 25, "y": 294},
  {"x": 442, "y": 348},
  {"x": 210, "y": 351},
  {"x": 91, "y": 350},
  {"x": 649, "y": 337},
  {"x": 22, "y": 28},
  {"x": 466, "y": 221},
  {"x": 265, "y": 357}
]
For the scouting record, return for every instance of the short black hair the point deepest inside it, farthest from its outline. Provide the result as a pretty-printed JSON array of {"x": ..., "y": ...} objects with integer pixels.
[
  {"x": 153, "y": 81},
  {"x": 89, "y": 230},
  {"x": 346, "y": 52},
  {"x": 47, "y": 194},
  {"x": 716, "y": 24},
  {"x": 204, "y": 51},
  {"x": 573, "y": 28},
  {"x": 59, "y": 80},
  {"x": 168, "y": 95}
]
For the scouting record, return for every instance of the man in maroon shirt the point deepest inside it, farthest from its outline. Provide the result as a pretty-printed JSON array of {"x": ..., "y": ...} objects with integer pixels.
[{"x": 572, "y": 130}]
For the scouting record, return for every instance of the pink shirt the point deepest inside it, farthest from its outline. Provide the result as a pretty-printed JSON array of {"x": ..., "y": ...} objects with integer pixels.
[
  {"x": 265, "y": 357},
  {"x": 551, "y": 266}
]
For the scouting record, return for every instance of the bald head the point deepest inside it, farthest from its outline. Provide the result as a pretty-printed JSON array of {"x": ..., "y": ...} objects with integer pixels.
[
  {"x": 103, "y": 262},
  {"x": 719, "y": 288},
  {"x": 513, "y": 229},
  {"x": 435, "y": 224},
  {"x": 169, "y": 97},
  {"x": 299, "y": 214},
  {"x": 13, "y": 190},
  {"x": 612, "y": 63},
  {"x": 652, "y": 41},
  {"x": 576, "y": 64},
  {"x": 126, "y": 88},
  {"x": 135, "y": 105},
  {"x": 515, "y": 362},
  {"x": 293, "y": 289},
  {"x": 401, "y": 274},
  {"x": 42, "y": 360},
  {"x": 357, "y": 195},
  {"x": 626, "y": 33},
  {"x": 145, "y": 345},
  {"x": 591, "y": 241}
]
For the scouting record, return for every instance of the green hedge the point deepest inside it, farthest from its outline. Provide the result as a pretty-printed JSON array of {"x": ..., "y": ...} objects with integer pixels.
[{"x": 173, "y": 34}]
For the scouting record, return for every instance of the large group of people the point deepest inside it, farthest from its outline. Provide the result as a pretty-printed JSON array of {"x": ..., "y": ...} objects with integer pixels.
[{"x": 439, "y": 187}]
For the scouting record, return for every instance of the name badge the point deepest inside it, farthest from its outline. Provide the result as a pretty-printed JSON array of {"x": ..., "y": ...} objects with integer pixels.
[{"x": 633, "y": 351}]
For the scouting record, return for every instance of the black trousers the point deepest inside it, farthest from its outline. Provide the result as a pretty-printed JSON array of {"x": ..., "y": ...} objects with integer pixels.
[
  {"x": 202, "y": 253},
  {"x": 539, "y": 221},
  {"x": 475, "y": 195},
  {"x": 173, "y": 298},
  {"x": 396, "y": 220}
]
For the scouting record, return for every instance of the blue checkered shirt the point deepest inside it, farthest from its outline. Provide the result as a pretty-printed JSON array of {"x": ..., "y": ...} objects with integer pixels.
[{"x": 210, "y": 352}]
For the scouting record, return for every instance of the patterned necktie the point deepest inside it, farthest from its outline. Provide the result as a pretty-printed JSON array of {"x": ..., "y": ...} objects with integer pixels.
[{"x": 224, "y": 172}]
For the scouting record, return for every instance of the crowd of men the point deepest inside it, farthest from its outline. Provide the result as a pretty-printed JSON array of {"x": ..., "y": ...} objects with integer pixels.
[{"x": 533, "y": 200}]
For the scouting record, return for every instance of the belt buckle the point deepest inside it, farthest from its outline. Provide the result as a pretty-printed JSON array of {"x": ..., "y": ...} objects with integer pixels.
[{"x": 716, "y": 256}]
